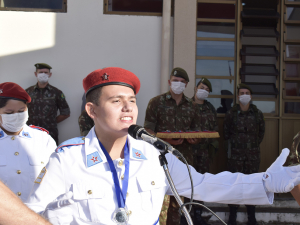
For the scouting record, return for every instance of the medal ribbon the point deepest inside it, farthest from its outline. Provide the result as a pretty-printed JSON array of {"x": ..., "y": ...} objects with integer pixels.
[{"x": 121, "y": 195}]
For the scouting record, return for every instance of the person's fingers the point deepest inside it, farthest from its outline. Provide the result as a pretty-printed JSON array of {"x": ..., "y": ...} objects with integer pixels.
[
  {"x": 296, "y": 181},
  {"x": 282, "y": 157},
  {"x": 295, "y": 169},
  {"x": 62, "y": 200},
  {"x": 67, "y": 195}
]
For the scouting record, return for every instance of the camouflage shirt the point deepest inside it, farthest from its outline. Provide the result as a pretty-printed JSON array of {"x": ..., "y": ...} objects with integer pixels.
[
  {"x": 163, "y": 114},
  {"x": 85, "y": 123},
  {"x": 293, "y": 158},
  {"x": 245, "y": 131},
  {"x": 44, "y": 105},
  {"x": 208, "y": 121}
]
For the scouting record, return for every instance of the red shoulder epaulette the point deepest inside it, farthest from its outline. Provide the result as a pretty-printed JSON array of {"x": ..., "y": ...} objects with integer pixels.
[{"x": 39, "y": 128}]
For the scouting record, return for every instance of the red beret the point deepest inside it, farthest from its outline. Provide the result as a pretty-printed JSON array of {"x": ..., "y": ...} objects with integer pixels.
[
  {"x": 14, "y": 91},
  {"x": 111, "y": 76}
]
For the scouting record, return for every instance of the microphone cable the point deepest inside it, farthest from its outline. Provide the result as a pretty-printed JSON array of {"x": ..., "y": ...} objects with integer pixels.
[
  {"x": 178, "y": 154},
  {"x": 196, "y": 203}
]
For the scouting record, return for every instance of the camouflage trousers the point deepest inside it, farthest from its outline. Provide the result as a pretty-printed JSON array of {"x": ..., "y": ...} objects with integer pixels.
[{"x": 245, "y": 166}]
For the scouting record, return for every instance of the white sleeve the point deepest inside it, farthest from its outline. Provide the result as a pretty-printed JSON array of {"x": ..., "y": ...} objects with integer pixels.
[
  {"x": 49, "y": 187},
  {"x": 225, "y": 187},
  {"x": 51, "y": 145}
]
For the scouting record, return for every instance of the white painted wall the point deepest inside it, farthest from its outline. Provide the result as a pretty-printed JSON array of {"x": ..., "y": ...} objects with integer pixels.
[{"x": 76, "y": 43}]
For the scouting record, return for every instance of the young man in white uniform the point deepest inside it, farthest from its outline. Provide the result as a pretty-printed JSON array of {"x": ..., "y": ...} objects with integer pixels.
[
  {"x": 24, "y": 150},
  {"x": 110, "y": 178}
]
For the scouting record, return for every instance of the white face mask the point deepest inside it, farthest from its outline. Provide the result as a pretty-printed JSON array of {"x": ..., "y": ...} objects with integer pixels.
[
  {"x": 244, "y": 99},
  {"x": 177, "y": 87},
  {"x": 202, "y": 94},
  {"x": 14, "y": 122},
  {"x": 43, "y": 78}
]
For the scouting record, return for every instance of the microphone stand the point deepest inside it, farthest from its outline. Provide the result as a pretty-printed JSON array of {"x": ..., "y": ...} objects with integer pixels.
[{"x": 164, "y": 163}]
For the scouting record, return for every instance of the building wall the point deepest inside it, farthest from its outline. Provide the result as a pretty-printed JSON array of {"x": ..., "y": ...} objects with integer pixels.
[{"x": 76, "y": 43}]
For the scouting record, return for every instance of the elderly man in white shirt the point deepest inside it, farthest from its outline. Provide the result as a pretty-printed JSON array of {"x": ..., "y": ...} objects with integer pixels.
[{"x": 110, "y": 178}]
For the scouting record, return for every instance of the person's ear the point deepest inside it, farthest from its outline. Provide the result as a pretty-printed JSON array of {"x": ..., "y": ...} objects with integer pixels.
[
  {"x": 169, "y": 82},
  {"x": 50, "y": 74},
  {"x": 195, "y": 89},
  {"x": 89, "y": 108},
  {"x": 35, "y": 73}
]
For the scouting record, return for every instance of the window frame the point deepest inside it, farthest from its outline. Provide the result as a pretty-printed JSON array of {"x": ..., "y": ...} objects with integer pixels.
[
  {"x": 106, "y": 12},
  {"x": 234, "y": 59},
  {"x": 63, "y": 10}
]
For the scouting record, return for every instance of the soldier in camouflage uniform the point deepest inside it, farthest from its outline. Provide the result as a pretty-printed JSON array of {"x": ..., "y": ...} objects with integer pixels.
[
  {"x": 206, "y": 149},
  {"x": 85, "y": 123},
  {"x": 293, "y": 160},
  {"x": 244, "y": 128},
  {"x": 173, "y": 111},
  {"x": 46, "y": 100}
]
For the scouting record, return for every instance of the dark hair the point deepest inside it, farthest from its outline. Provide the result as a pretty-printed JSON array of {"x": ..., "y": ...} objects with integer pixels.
[
  {"x": 94, "y": 95},
  {"x": 199, "y": 83},
  {"x": 3, "y": 101}
]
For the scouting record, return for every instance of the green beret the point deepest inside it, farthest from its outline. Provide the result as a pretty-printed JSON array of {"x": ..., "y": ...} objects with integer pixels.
[
  {"x": 179, "y": 72},
  {"x": 206, "y": 82},
  {"x": 42, "y": 66},
  {"x": 244, "y": 86}
]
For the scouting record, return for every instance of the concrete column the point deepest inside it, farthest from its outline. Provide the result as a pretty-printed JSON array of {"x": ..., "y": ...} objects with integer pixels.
[
  {"x": 185, "y": 22},
  {"x": 165, "y": 46}
]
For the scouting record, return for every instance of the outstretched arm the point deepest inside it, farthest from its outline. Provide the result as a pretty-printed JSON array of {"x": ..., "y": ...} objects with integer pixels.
[{"x": 14, "y": 212}]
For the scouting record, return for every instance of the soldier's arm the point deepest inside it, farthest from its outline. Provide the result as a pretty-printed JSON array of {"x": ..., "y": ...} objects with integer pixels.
[
  {"x": 214, "y": 141},
  {"x": 296, "y": 193},
  {"x": 151, "y": 116},
  {"x": 227, "y": 125},
  {"x": 261, "y": 127},
  {"x": 64, "y": 109},
  {"x": 13, "y": 211}
]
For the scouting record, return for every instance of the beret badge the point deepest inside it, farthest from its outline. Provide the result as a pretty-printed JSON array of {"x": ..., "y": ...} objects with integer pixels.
[
  {"x": 1, "y": 91},
  {"x": 105, "y": 76}
]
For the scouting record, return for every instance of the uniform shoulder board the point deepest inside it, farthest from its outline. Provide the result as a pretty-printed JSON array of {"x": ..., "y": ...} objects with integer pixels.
[
  {"x": 39, "y": 128},
  {"x": 69, "y": 143}
]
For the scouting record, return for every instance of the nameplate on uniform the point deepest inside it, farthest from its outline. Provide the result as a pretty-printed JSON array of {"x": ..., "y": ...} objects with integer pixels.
[{"x": 40, "y": 177}]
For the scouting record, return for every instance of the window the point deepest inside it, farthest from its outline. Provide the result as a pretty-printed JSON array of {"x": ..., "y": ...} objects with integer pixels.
[
  {"x": 215, "y": 58},
  {"x": 34, "y": 5},
  {"x": 134, "y": 7}
]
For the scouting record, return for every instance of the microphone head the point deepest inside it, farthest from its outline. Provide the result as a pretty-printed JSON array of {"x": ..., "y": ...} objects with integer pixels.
[{"x": 133, "y": 131}]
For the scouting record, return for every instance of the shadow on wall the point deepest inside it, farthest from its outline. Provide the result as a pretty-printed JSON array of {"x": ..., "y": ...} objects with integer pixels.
[{"x": 82, "y": 40}]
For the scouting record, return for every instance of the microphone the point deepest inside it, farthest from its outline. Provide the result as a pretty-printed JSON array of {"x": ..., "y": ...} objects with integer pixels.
[{"x": 139, "y": 133}]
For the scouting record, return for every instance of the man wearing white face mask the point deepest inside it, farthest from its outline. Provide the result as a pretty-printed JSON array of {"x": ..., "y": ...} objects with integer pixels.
[
  {"x": 174, "y": 111},
  {"x": 244, "y": 129},
  {"x": 206, "y": 149},
  {"x": 24, "y": 150},
  {"x": 46, "y": 100}
]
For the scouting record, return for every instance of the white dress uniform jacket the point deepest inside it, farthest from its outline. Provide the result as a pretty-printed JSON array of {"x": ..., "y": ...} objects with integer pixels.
[
  {"x": 84, "y": 170},
  {"x": 22, "y": 157}
]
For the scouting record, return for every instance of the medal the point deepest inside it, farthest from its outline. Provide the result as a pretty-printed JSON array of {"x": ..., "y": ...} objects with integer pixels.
[{"x": 121, "y": 216}]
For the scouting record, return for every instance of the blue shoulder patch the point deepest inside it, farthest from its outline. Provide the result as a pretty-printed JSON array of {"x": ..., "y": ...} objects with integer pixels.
[{"x": 69, "y": 143}]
